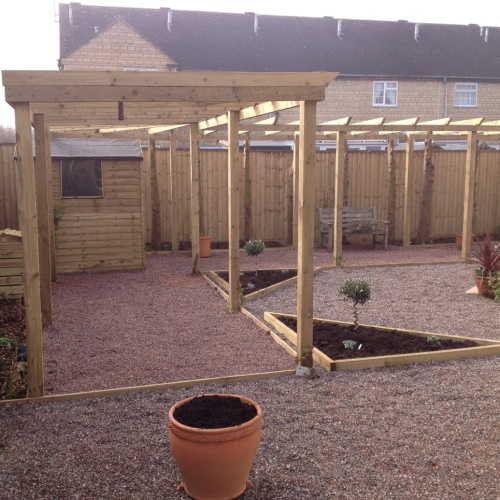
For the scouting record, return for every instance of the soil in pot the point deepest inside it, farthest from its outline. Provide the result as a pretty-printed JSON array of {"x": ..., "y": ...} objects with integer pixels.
[
  {"x": 214, "y": 412},
  {"x": 263, "y": 279},
  {"x": 329, "y": 338}
]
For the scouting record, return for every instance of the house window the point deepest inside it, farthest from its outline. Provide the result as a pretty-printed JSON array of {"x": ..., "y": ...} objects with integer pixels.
[
  {"x": 465, "y": 94},
  {"x": 385, "y": 93},
  {"x": 81, "y": 178}
]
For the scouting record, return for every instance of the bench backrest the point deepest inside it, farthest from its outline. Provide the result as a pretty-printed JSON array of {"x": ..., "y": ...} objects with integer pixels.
[{"x": 350, "y": 215}]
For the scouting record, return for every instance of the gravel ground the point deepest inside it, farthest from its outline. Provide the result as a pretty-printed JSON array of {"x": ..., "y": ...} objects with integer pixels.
[{"x": 425, "y": 431}]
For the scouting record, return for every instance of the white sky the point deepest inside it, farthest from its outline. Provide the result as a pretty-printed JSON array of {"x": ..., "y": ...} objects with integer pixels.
[{"x": 29, "y": 35}]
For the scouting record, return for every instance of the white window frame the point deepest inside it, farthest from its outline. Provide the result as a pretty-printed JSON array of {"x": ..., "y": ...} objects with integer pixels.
[
  {"x": 466, "y": 89},
  {"x": 387, "y": 86}
]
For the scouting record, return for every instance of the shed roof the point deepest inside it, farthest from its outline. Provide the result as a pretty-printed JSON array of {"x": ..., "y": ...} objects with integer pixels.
[
  {"x": 95, "y": 148},
  {"x": 212, "y": 41}
]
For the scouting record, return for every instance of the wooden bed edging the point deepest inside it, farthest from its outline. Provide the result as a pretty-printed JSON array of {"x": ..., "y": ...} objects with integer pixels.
[
  {"x": 486, "y": 348},
  {"x": 220, "y": 284},
  {"x": 400, "y": 264},
  {"x": 152, "y": 387}
]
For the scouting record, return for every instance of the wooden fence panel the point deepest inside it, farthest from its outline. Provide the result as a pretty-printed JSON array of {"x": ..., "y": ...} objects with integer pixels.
[
  {"x": 271, "y": 191},
  {"x": 8, "y": 196}
]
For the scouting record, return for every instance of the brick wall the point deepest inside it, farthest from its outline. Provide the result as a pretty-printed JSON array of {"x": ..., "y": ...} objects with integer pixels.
[
  {"x": 416, "y": 98},
  {"x": 115, "y": 49}
]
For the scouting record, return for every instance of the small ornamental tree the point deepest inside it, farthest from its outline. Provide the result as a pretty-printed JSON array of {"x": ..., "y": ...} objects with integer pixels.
[
  {"x": 254, "y": 248},
  {"x": 358, "y": 291}
]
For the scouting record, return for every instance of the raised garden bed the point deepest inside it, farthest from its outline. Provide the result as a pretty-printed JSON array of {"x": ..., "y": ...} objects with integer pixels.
[
  {"x": 166, "y": 246},
  {"x": 255, "y": 285},
  {"x": 380, "y": 346}
]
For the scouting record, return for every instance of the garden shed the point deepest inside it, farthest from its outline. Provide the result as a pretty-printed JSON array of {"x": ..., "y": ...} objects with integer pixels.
[{"x": 97, "y": 204}]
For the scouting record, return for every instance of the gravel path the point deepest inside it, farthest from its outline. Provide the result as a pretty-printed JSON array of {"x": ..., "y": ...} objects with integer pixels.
[{"x": 426, "y": 431}]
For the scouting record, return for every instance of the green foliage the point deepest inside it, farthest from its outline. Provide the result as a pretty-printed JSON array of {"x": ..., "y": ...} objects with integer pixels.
[
  {"x": 494, "y": 282},
  {"x": 433, "y": 339},
  {"x": 487, "y": 256},
  {"x": 349, "y": 344},
  {"x": 358, "y": 291},
  {"x": 6, "y": 342},
  {"x": 58, "y": 214},
  {"x": 254, "y": 247}
]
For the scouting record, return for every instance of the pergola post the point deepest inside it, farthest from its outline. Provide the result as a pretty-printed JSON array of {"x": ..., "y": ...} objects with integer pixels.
[
  {"x": 50, "y": 205},
  {"x": 155, "y": 197},
  {"x": 470, "y": 175},
  {"x": 174, "y": 222},
  {"x": 233, "y": 210},
  {"x": 295, "y": 189},
  {"x": 391, "y": 190},
  {"x": 247, "y": 196},
  {"x": 43, "y": 216},
  {"x": 306, "y": 218},
  {"x": 408, "y": 190},
  {"x": 26, "y": 196},
  {"x": 195, "y": 196},
  {"x": 339, "y": 198}
]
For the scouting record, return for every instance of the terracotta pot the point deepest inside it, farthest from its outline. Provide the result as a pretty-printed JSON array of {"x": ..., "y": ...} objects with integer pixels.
[
  {"x": 215, "y": 463},
  {"x": 458, "y": 240},
  {"x": 483, "y": 287},
  {"x": 205, "y": 246}
]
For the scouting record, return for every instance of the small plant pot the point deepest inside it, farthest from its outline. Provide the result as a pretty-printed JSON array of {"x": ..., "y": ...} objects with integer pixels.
[
  {"x": 458, "y": 240},
  {"x": 215, "y": 463},
  {"x": 205, "y": 242},
  {"x": 483, "y": 286},
  {"x": 22, "y": 352}
]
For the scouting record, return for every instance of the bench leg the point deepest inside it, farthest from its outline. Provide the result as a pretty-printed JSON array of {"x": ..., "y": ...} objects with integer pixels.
[
  {"x": 386, "y": 240},
  {"x": 330, "y": 240}
]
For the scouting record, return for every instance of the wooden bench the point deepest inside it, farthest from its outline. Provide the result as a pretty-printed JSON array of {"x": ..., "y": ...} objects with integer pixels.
[{"x": 354, "y": 221}]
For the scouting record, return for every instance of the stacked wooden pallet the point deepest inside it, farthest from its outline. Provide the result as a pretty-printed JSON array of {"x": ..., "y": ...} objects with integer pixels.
[{"x": 11, "y": 264}]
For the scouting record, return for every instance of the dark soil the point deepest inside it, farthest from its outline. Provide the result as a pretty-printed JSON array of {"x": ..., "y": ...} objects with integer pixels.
[
  {"x": 12, "y": 334},
  {"x": 329, "y": 337},
  {"x": 214, "y": 412},
  {"x": 166, "y": 246},
  {"x": 263, "y": 279}
]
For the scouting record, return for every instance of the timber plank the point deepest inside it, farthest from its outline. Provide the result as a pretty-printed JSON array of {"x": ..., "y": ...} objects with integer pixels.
[{"x": 154, "y": 387}]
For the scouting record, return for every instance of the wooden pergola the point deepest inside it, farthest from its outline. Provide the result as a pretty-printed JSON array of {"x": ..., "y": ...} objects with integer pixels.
[
  {"x": 51, "y": 99},
  {"x": 151, "y": 106}
]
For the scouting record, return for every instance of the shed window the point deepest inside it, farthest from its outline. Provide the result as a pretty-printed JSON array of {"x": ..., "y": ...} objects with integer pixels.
[
  {"x": 466, "y": 94},
  {"x": 81, "y": 178},
  {"x": 385, "y": 93}
]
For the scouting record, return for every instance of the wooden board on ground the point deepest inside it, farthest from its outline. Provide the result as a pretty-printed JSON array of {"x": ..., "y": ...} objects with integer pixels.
[{"x": 485, "y": 348}]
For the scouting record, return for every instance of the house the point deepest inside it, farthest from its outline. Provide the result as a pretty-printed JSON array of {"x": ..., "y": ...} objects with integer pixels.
[{"x": 396, "y": 69}]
